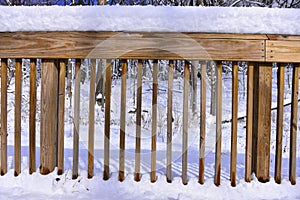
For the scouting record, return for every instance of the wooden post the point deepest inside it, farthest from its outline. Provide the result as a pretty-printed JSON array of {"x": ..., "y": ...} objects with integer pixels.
[
  {"x": 218, "y": 124},
  {"x": 18, "y": 105},
  {"x": 92, "y": 119},
  {"x": 169, "y": 122},
  {"x": 262, "y": 121},
  {"x": 32, "y": 117},
  {"x": 76, "y": 119},
  {"x": 154, "y": 121},
  {"x": 279, "y": 124},
  {"x": 3, "y": 116},
  {"x": 48, "y": 129},
  {"x": 138, "y": 122},
  {"x": 293, "y": 129},
  {"x": 234, "y": 124},
  {"x": 185, "y": 122},
  {"x": 202, "y": 122},
  {"x": 122, "y": 122},
  {"x": 61, "y": 117},
  {"x": 249, "y": 124},
  {"x": 107, "y": 120}
]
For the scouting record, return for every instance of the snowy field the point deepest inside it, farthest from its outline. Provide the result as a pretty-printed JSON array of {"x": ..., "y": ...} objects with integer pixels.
[{"x": 52, "y": 186}]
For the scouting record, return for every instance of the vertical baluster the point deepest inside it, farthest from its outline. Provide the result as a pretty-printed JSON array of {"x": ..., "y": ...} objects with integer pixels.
[
  {"x": 108, "y": 74},
  {"x": 218, "y": 124},
  {"x": 122, "y": 121},
  {"x": 234, "y": 124},
  {"x": 3, "y": 116},
  {"x": 279, "y": 124},
  {"x": 138, "y": 122},
  {"x": 169, "y": 122},
  {"x": 202, "y": 122}
]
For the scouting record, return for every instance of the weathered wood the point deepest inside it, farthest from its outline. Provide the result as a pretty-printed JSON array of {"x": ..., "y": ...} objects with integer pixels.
[
  {"x": 185, "y": 123},
  {"x": 234, "y": 124},
  {"x": 218, "y": 150},
  {"x": 279, "y": 124},
  {"x": 283, "y": 37},
  {"x": 18, "y": 105},
  {"x": 3, "y": 138},
  {"x": 61, "y": 117},
  {"x": 170, "y": 121},
  {"x": 108, "y": 72},
  {"x": 32, "y": 117},
  {"x": 190, "y": 46},
  {"x": 249, "y": 124},
  {"x": 48, "y": 125},
  {"x": 92, "y": 101},
  {"x": 293, "y": 124},
  {"x": 123, "y": 121},
  {"x": 202, "y": 123},
  {"x": 262, "y": 119},
  {"x": 283, "y": 51},
  {"x": 154, "y": 121},
  {"x": 76, "y": 119},
  {"x": 138, "y": 122}
]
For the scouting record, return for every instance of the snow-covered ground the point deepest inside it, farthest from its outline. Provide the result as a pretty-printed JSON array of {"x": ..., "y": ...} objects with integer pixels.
[
  {"x": 52, "y": 186},
  {"x": 150, "y": 18}
]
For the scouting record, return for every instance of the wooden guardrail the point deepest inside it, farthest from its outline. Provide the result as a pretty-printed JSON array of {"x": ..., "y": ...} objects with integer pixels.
[{"x": 259, "y": 50}]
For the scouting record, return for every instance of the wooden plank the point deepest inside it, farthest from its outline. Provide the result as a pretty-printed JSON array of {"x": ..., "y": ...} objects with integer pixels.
[
  {"x": 137, "y": 176},
  {"x": 249, "y": 124},
  {"x": 234, "y": 123},
  {"x": 32, "y": 117},
  {"x": 279, "y": 124},
  {"x": 76, "y": 119},
  {"x": 142, "y": 45},
  {"x": 107, "y": 119},
  {"x": 293, "y": 128},
  {"x": 218, "y": 150},
  {"x": 283, "y": 51},
  {"x": 283, "y": 37},
  {"x": 48, "y": 125},
  {"x": 185, "y": 123},
  {"x": 202, "y": 122},
  {"x": 18, "y": 105},
  {"x": 61, "y": 117},
  {"x": 154, "y": 121},
  {"x": 123, "y": 122},
  {"x": 3, "y": 116},
  {"x": 263, "y": 132},
  {"x": 92, "y": 101},
  {"x": 170, "y": 121}
]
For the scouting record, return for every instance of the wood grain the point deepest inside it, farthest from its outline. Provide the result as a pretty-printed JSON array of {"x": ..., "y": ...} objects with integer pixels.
[
  {"x": 137, "y": 176},
  {"x": 185, "y": 123},
  {"x": 18, "y": 105},
  {"x": 122, "y": 121},
  {"x": 190, "y": 46},
  {"x": 234, "y": 124},
  {"x": 154, "y": 121},
  {"x": 170, "y": 121},
  {"x": 202, "y": 122},
  {"x": 92, "y": 101},
  {"x": 283, "y": 51},
  {"x": 32, "y": 117},
  {"x": 249, "y": 123},
  {"x": 48, "y": 125},
  {"x": 76, "y": 127},
  {"x": 3, "y": 138},
  {"x": 279, "y": 123},
  {"x": 218, "y": 148},
  {"x": 61, "y": 117},
  {"x": 293, "y": 128},
  {"x": 108, "y": 73}
]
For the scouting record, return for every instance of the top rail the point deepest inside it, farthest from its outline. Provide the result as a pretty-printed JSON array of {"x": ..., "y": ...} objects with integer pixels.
[{"x": 149, "y": 45}]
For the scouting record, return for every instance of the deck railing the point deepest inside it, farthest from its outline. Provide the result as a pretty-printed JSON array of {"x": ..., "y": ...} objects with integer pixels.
[{"x": 260, "y": 51}]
